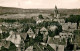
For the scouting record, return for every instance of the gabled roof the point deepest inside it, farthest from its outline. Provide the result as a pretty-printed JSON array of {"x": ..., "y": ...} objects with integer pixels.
[
  {"x": 14, "y": 38},
  {"x": 23, "y": 35},
  {"x": 30, "y": 31},
  {"x": 43, "y": 29}
]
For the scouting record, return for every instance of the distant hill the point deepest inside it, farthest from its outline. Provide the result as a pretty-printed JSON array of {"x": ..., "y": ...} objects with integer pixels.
[{"x": 10, "y": 10}]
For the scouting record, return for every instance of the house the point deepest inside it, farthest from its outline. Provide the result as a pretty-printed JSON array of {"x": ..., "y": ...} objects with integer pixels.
[
  {"x": 31, "y": 33},
  {"x": 11, "y": 32},
  {"x": 60, "y": 20},
  {"x": 39, "y": 21},
  {"x": 63, "y": 35},
  {"x": 67, "y": 35},
  {"x": 14, "y": 38},
  {"x": 44, "y": 31},
  {"x": 23, "y": 36},
  {"x": 52, "y": 28},
  {"x": 36, "y": 31},
  {"x": 56, "y": 36},
  {"x": 64, "y": 27},
  {"x": 69, "y": 26}
]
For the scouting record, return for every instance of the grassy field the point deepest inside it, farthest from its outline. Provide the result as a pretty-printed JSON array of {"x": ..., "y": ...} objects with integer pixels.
[{"x": 9, "y": 10}]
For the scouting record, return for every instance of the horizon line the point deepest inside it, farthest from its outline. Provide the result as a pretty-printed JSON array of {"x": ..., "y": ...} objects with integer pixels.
[{"x": 38, "y": 8}]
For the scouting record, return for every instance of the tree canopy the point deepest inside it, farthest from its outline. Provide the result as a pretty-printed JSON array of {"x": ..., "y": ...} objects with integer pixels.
[
  {"x": 41, "y": 17},
  {"x": 73, "y": 19}
]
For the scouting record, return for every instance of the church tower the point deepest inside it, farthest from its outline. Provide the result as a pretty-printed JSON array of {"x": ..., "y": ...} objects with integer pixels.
[{"x": 55, "y": 11}]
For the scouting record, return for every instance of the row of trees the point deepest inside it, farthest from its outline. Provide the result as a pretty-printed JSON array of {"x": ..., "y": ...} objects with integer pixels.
[
  {"x": 73, "y": 19},
  {"x": 25, "y": 20}
]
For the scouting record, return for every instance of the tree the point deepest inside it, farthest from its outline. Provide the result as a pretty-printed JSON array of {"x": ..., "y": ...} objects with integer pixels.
[
  {"x": 41, "y": 17},
  {"x": 39, "y": 38},
  {"x": 73, "y": 19},
  {"x": 70, "y": 46},
  {"x": 3, "y": 49},
  {"x": 12, "y": 47},
  {"x": 53, "y": 33}
]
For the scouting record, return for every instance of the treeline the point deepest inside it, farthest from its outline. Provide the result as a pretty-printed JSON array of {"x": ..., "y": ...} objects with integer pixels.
[
  {"x": 25, "y": 20},
  {"x": 7, "y": 13}
]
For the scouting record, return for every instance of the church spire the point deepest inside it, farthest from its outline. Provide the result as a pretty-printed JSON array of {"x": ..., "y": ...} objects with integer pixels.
[
  {"x": 55, "y": 7},
  {"x": 55, "y": 11}
]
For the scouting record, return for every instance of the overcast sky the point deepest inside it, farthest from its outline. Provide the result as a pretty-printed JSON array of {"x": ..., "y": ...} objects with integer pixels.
[{"x": 41, "y": 3}]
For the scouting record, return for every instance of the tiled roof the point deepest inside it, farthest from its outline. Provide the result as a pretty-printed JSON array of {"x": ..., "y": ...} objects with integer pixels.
[{"x": 23, "y": 35}]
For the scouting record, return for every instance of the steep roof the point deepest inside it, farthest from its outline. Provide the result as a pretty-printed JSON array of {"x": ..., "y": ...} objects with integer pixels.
[
  {"x": 43, "y": 29},
  {"x": 14, "y": 38},
  {"x": 23, "y": 35},
  {"x": 30, "y": 31}
]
